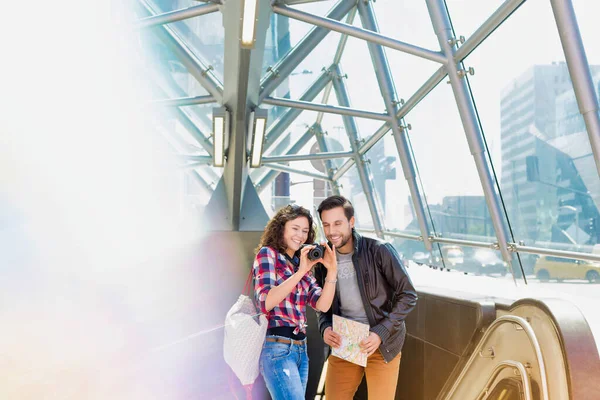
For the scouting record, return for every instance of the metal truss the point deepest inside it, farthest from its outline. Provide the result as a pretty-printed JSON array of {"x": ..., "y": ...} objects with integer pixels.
[
  {"x": 280, "y": 71},
  {"x": 450, "y": 56},
  {"x": 325, "y": 108},
  {"x": 196, "y": 67},
  {"x": 359, "y": 33},
  {"x": 285, "y": 120},
  {"x": 315, "y": 156},
  {"x": 579, "y": 69},
  {"x": 364, "y": 172},
  {"x": 390, "y": 98},
  {"x": 185, "y": 101},
  {"x": 177, "y": 15},
  {"x": 466, "y": 108}
]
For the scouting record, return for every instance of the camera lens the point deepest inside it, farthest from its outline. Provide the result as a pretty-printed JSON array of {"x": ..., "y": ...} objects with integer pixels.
[{"x": 316, "y": 253}]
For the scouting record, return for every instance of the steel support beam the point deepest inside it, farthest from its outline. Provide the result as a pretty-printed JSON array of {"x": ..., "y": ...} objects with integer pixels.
[
  {"x": 322, "y": 142},
  {"x": 177, "y": 15},
  {"x": 170, "y": 89},
  {"x": 285, "y": 168},
  {"x": 195, "y": 165},
  {"x": 494, "y": 21},
  {"x": 360, "y": 33},
  {"x": 190, "y": 127},
  {"x": 337, "y": 58},
  {"x": 198, "y": 178},
  {"x": 184, "y": 101},
  {"x": 195, "y": 175},
  {"x": 292, "y": 2},
  {"x": 320, "y": 135},
  {"x": 343, "y": 169},
  {"x": 285, "y": 120},
  {"x": 197, "y": 68},
  {"x": 466, "y": 108},
  {"x": 364, "y": 172},
  {"x": 284, "y": 67},
  {"x": 196, "y": 159},
  {"x": 296, "y": 147},
  {"x": 419, "y": 95},
  {"x": 390, "y": 98},
  {"x": 404, "y": 236},
  {"x": 579, "y": 70},
  {"x": 326, "y": 108},
  {"x": 240, "y": 96},
  {"x": 305, "y": 157}
]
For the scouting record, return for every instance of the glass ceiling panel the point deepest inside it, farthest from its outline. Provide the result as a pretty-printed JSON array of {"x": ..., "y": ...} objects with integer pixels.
[
  {"x": 204, "y": 35},
  {"x": 447, "y": 169},
  {"x": 468, "y": 15},
  {"x": 299, "y": 29},
  {"x": 407, "y": 21},
  {"x": 391, "y": 187},
  {"x": 540, "y": 147},
  {"x": 352, "y": 189},
  {"x": 167, "y": 71},
  {"x": 298, "y": 127},
  {"x": 456, "y": 205},
  {"x": 336, "y": 136},
  {"x": 361, "y": 83},
  {"x": 410, "y": 72},
  {"x": 585, "y": 11},
  {"x": 312, "y": 66}
]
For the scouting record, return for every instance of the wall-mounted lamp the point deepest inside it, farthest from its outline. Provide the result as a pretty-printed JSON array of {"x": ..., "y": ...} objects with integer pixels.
[
  {"x": 249, "y": 18},
  {"x": 257, "y": 127},
  {"x": 220, "y": 135}
]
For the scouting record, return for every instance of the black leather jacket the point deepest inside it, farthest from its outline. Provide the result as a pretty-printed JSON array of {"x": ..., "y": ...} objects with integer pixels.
[{"x": 387, "y": 293}]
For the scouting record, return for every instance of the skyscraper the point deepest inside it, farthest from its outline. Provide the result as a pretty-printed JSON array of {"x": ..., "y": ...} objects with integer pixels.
[{"x": 535, "y": 171}]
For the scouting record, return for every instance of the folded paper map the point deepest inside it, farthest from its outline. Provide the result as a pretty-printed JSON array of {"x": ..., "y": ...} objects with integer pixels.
[{"x": 352, "y": 333}]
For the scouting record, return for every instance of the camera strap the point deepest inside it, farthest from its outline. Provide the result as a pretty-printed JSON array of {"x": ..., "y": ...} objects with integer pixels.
[{"x": 295, "y": 261}]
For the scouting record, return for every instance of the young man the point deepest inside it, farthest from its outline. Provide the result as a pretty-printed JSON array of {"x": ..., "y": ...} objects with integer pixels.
[{"x": 373, "y": 288}]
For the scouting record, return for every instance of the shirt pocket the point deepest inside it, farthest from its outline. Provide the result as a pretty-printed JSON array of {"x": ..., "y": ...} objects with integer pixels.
[{"x": 283, "y": 274}]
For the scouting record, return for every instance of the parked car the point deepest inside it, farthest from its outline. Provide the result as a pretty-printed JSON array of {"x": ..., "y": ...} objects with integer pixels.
[
  {"x": 421, "y": 257},
  {"x": 559, "y": 268},
  {"x": 482, "y": 262},
  {"x": 453, "y": 255}
]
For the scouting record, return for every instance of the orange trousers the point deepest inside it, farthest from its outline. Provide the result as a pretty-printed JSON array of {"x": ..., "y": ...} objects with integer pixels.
[{"x": 344, "y": 377}]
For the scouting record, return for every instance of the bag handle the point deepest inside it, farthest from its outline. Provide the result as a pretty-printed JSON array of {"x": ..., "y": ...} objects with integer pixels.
[{"x": 247, "y": 287}]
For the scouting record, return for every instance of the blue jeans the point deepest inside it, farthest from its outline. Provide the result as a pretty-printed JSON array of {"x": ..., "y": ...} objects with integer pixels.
[{"x": 284, "y": 368}]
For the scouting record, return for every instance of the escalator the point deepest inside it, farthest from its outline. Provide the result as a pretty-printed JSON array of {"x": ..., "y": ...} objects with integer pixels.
[{"x": 463, "y": 347}]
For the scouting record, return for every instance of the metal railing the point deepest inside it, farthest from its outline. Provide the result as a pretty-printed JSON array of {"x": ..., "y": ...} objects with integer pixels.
[
  {"x": 508, "y": 319},
  {"x": 488, "y": 388}
]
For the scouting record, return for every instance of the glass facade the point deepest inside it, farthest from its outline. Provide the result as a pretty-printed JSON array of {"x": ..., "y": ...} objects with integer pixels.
[{"x": 536, "y": 149}]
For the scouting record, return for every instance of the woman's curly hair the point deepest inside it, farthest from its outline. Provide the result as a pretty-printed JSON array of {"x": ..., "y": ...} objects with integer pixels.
[{"x": 273, "y": 234}]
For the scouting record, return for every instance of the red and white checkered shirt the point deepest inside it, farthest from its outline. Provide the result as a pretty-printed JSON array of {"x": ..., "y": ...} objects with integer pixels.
[{"x": 271, "y": 268}]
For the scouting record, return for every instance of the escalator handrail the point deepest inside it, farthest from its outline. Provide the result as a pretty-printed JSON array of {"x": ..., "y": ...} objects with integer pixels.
[
  {"x": 534, "y": 343},
  {"x": 502, "y": 366}
]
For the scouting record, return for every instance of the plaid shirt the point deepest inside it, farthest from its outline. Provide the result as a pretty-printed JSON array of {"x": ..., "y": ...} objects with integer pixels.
[{"x": 271, "y": 268}]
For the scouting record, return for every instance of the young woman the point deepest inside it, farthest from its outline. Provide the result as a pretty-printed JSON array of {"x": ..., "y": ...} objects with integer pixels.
[{"x": 284, "y": 286}]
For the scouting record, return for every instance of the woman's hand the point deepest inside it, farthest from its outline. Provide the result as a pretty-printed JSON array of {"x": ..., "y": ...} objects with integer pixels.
[
  {"x": 305, "y": 263},
  {"x": 329, "y": 259}
]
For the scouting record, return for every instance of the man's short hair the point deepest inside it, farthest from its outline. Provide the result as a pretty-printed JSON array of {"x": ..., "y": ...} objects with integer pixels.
[{"x": 337, "y": 201}]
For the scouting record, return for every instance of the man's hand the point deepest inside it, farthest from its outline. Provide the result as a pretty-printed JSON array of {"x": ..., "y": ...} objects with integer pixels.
[
  {"x": 370, "y": 344},
  {"x": 329, "y": 260},
  {"x": 332, "y": 338}
]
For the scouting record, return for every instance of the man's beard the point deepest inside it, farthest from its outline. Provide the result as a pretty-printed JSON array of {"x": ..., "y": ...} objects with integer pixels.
[{"x": 345, "y": 240}]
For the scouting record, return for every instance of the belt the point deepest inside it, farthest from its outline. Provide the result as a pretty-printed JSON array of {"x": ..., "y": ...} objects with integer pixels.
[{"x": 285, "y": 340}]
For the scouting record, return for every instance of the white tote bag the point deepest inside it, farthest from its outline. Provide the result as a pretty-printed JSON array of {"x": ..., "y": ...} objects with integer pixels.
[{"x": 245, "y": 331}]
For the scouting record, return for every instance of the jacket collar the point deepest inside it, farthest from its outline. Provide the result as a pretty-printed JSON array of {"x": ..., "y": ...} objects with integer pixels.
[{"x": 357, "y": 238}]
